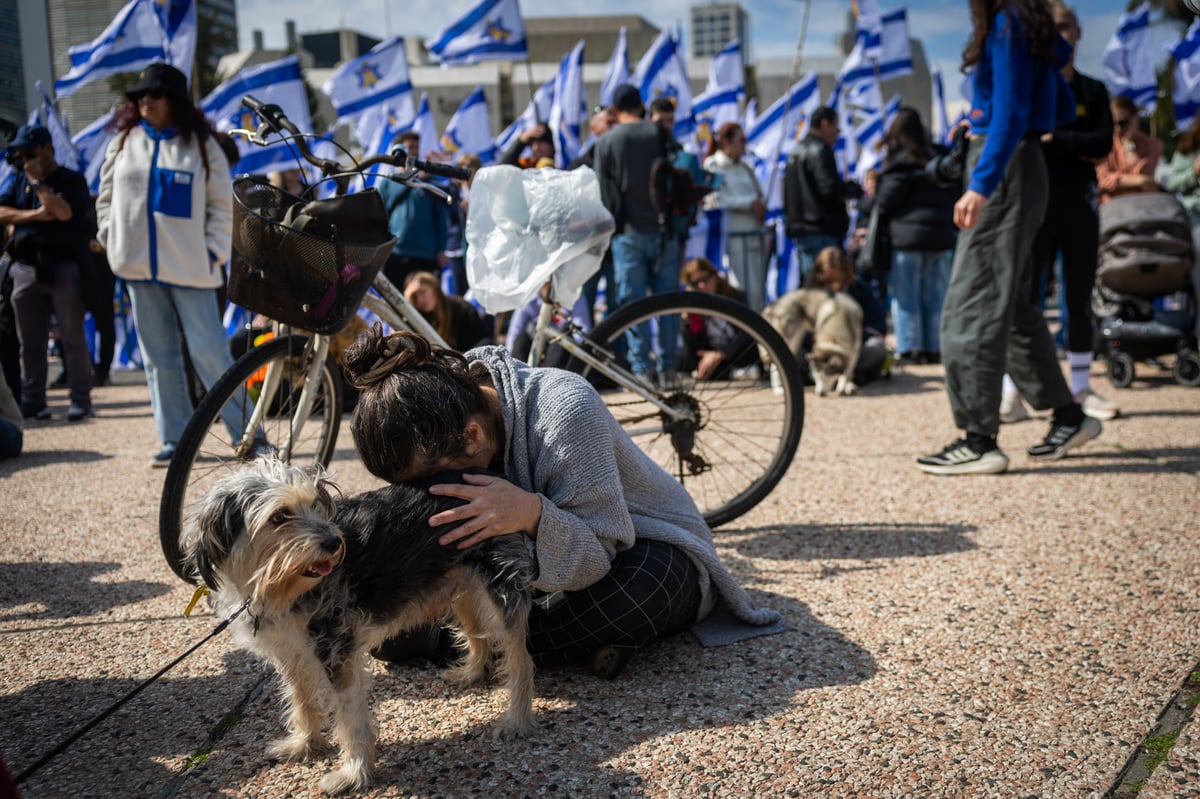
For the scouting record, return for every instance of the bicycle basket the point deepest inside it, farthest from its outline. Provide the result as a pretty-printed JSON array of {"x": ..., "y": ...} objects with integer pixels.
[{"x": 306, "y": 264}]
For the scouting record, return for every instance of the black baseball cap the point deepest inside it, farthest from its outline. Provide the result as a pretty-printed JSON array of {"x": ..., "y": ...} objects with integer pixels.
[
  {"x": 626, "y": 97},
  {"x": 161, "y": 76}
]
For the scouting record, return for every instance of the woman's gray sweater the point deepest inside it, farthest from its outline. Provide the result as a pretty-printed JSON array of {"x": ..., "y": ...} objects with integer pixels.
[{"x": 598, "y": 490}]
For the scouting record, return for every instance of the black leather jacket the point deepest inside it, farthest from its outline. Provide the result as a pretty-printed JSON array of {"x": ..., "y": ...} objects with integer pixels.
[{"x": 814, "y": 196}]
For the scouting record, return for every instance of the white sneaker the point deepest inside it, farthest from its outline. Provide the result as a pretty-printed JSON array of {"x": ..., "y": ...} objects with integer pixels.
[
  {"x": 1012, "y": 409},
  {"x": 1096, "y": 406}
]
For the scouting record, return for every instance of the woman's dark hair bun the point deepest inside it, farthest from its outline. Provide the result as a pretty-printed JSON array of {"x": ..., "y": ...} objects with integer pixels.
[{"x": 374, "y": 356}]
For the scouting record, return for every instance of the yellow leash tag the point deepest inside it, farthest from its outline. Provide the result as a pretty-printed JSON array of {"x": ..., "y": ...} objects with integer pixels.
[{"x": 201, "y": 591}]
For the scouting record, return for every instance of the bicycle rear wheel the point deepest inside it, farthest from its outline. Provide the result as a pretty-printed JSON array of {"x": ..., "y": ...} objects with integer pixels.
[
  {"x": 207, "y": 450},
  {"x": 742, "y": 429}
]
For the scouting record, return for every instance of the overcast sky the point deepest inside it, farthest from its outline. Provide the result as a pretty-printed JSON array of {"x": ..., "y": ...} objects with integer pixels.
[{"x": 941, "y": 25}]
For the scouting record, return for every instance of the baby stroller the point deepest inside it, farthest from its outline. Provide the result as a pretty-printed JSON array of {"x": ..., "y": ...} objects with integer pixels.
[{"x": 1144, "y": 300}]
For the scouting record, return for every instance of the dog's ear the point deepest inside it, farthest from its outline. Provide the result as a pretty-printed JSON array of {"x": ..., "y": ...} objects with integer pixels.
[{"x": 212, "y": 530}]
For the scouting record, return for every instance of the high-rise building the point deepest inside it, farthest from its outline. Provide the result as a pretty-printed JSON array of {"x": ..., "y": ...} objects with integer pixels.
[{"x": 715, "y": 25}]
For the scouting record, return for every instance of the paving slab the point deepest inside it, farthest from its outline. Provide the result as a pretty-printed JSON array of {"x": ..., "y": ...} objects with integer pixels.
[{"x": 990, "y": 636}]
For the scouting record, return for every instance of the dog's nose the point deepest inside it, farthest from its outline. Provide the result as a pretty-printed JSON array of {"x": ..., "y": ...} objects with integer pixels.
[{"x": 331, "y": 544}]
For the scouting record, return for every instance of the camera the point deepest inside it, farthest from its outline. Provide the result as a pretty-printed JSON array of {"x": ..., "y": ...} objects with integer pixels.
[{"x": 946, "y": 169}]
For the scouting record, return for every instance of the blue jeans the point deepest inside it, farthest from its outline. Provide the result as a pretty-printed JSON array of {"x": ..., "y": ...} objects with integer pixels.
[
  {"x": 637, "y": 271},
  {"x": 160, "y": 311},
  {"x": 807, "y": 249},
  {"x": 917, "y": 284}
]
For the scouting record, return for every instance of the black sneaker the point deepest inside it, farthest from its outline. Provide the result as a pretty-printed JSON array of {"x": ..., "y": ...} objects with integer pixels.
[
  {"x": 962, "y": 457},
  {"x": 41, "y": 413},
  {"x": 1063, "y": 438},
  {"x": 78, "y": 411}
]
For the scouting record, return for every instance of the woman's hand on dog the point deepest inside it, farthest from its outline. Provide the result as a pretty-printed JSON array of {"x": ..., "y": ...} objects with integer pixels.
[{"x": 494, "y": 507}]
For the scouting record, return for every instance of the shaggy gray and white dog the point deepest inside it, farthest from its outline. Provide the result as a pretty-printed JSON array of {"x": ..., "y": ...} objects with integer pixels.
[{"x": 328, "y": 582}]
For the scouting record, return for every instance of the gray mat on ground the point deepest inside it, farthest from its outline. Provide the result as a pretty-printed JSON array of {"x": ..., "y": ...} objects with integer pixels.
[{"x": 721, "y": 627}]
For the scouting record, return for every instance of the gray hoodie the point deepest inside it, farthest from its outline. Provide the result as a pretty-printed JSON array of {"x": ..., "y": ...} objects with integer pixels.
[{"x": 598, "y": 490}]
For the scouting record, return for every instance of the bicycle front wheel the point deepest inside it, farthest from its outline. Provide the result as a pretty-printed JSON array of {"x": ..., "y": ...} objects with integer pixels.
[
  {"x": 217, "y": 438},
  {"x": 741, "y": 428}
]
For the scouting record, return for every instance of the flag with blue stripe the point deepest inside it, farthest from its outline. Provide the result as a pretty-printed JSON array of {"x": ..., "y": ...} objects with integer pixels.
[
  {"x": 662, "y": 72},
  {"x": 1186, "y": 90},
  {"x": 385, "y": 124},
  {"x": 721, "y": 98},
  {"x": 569, "y": 108},
  {"x": 470, "y": 129},
  {"x": 377, "y": 77},
  {"x": 1127, "y": 60},
  {"x": 536, "y": 112},
  {"x": 143, "y": 31},
  {"x": 492, "y": 30},
  {"x": 616, "y": 71},
  {"x": 91, "y": 143},
  {"x": 776, "y": 130},
  {"x": 64, "y": 151},
  {"x": 869, "y": 136},
  {"x": 939, "y": 123},
  {"x": 280, "y": 82}
]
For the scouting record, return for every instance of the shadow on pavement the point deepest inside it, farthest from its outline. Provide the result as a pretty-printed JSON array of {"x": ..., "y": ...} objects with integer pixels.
[
  {"x": 65, "y": 590},
  {"x": 31, "y": 458},
  {"x": 1184, "y": 460},
  {"x": 866, "y": 541}
]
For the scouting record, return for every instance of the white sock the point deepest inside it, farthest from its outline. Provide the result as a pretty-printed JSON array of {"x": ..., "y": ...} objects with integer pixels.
[
  {"x": 1081, "y": 371},
  {"x": 1008, "y": 388}
]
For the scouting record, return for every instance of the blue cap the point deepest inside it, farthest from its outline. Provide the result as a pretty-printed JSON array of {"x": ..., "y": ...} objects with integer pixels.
[{"x": 30, "y": 136}]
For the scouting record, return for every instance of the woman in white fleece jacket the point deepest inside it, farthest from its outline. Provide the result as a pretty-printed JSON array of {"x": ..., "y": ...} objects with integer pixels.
[
  {"x": 165, "y": 212},
  {"x": 742, "y": 200}
]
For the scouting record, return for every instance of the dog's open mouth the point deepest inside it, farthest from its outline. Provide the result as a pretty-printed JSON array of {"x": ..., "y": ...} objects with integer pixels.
[{"x": 321, "y": 568}]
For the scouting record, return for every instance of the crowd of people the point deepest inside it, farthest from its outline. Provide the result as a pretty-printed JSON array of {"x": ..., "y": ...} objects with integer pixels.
[{"x": 963, "y": 275}]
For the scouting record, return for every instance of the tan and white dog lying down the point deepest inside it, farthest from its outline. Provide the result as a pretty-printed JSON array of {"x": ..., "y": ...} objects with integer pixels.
[{"x": 836, "y": 322}]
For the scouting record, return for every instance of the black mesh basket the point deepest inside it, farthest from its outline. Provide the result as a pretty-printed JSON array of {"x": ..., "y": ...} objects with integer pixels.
[{"x": 306, "y": 264}]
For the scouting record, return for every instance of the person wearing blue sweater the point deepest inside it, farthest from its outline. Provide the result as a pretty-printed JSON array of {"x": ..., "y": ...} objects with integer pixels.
[
  {"x": 989, "y": 326},
  {"x": 418, "y": 220}
]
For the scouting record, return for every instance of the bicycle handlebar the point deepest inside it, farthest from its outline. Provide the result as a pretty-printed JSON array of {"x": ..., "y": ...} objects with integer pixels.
[{"x": 273, "y": 120}]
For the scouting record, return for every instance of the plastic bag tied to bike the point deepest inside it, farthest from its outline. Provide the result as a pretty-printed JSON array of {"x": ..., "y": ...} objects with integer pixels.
[{"x": 527, "y": 226}]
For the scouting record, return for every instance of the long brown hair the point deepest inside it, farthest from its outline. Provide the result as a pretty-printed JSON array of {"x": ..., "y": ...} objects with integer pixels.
[
  {"x": 699, "y": 268},
  {"x": 724, "y": 135},
  {"x": 188, "y": 120},
  {"x": 440, "y": 317},
  {"x": 1032, "y": 16},
  {"x": 907, "y": 135}
]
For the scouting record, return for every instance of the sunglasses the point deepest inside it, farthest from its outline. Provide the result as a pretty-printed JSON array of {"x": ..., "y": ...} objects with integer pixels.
[
  {"x": 153, "y": 94},
  {"x": 703, "y": 279}
]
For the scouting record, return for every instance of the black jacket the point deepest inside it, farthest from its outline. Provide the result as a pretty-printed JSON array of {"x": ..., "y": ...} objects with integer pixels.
[
  {"x": 918, "y": 212},
  {"x": 814, "y": 196},
  {"x": 1073, "y": 150}
]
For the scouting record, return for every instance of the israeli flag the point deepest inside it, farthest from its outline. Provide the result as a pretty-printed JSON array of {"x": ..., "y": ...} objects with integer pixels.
[
  {"x": 662, "y": 72},
  {"x": 385, "y": 123},
  {"x": 718, "y": 104},
  {"x": 868, "y": 27},
  {"x": 92, "y": 143},
  {"x": 470, "y": 129},
  {"x": 377, "y": 77},
  {"x": 143, "y": 31},
  {"x": 279, "y": 82},
  {"x": 869, "y": 137},
  {"x": 569, "y": 108},
  {"x": 64, "y": 151},
  {"x": 1127, "y": 61},
  {"x": 775, "y": 131},
  {"x": 1186, "y": 90},
  {"x": 178, "y": 20},
  {"x": 895, "y": 49},
  {"x": 492, "y": 30},
  {"x": 616, "y": 71},
  {"x": 750, "y": 114},
  {"x": 425, "y": 127},
  {"x": 939, "y": 125}
]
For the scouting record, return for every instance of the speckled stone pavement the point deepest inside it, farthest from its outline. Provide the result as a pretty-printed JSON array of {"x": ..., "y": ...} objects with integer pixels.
[{"x": 995, "y": 636}]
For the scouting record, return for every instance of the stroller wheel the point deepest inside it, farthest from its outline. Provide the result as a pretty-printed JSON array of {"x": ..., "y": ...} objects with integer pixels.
[
  {"x": 1187, "y": 368},
  {"x": 1120, "y": 369}
]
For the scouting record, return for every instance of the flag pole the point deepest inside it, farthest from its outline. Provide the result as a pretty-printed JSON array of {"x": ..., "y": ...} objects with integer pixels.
[
  {"x": 787, "y": 96},
  {"x": 532, "y": 90}
]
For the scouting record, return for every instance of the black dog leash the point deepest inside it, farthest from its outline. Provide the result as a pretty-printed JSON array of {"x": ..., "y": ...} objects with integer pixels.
[{"x": 62, "y": 747}]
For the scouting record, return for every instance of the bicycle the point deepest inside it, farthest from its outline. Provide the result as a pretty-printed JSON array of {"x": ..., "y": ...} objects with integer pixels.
[{"x": 729, "y": 441}]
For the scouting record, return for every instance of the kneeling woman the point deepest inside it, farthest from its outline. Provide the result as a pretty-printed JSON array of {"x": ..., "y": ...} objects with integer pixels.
[{"x": 623, "y": 554}]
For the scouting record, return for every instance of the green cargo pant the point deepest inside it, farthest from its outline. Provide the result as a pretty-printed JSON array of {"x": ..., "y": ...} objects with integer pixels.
[{"x": 989, "y": 325}]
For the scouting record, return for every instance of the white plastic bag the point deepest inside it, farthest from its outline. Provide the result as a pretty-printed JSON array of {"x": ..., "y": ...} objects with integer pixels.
[{"x": 527, "y": 226}]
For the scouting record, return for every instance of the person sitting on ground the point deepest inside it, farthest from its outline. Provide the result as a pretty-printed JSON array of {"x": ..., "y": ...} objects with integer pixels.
[
  {"x": 712, "y": 349},
  {"x": 1130, "y": 165},
  {"x": 623, "y": 555},
  {"x": 454, "y": 319},
  {"x": 833, "y": 270}
]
